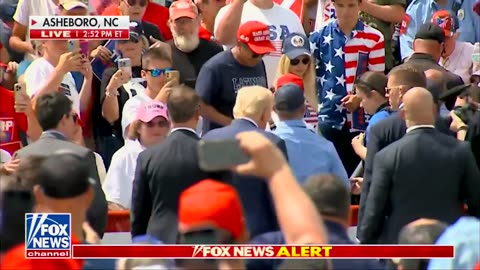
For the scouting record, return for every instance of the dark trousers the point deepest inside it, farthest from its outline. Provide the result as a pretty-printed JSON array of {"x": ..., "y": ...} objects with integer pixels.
[{"x": 342, "y": 140}]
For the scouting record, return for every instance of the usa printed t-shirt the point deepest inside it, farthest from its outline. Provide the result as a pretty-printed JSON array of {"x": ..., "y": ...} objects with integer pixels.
[
  {"x": 281, "y": 21},
  {"x": 340, "y": 59},
  {"x": 37, "y": 75},
  {"x": 219, "y": 81},
  {"x": 11, "y": 122}
]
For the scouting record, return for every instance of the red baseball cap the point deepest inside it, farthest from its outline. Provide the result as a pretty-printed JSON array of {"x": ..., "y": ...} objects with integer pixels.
[
  {"x": 183, "y": 8},
  {"x": 446, "y": 21},
  {"x": 257, "y": 37},
  {"x": 290, "y": 78},
  {"x": 211, "y": 203}
]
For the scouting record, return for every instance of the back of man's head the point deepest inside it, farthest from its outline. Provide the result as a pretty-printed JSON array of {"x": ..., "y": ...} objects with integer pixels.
[
  {"x": 436, "y": 83},
  {"x": 408, "y": 76},
  {"x": 50, "y": 109},
  {"x": 429, "y": 39},
  {"x": 330, "y": 196},
  {"x": 418, "y": 107},
  {"x": 253, "y": 102},
  {"x": 419, "y": 232},
  {"x": 183, "y": 104}
]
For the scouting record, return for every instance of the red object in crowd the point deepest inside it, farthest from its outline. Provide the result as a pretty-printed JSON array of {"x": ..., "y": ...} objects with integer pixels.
[
  {"x": 290, "y": 78},
  {"x": 11, "y": 122},
  {"x": 158, "y": 15},
  {"x": 154, "y": 13},
  {"x": 15, "y": 259},
  {"x": 205, "y": 34},
  {"x": 477, "y": 267}
]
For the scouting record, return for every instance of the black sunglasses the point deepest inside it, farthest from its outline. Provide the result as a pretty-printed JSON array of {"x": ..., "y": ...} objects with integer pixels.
[
  {"x": 296, "y": 61},
  {"x": 141, "y": 3}
]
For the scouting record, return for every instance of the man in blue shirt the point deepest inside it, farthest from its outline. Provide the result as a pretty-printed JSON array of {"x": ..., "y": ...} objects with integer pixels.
[
  {"x": 308, "y": 153},
  {"x": 421, "y": 11}
]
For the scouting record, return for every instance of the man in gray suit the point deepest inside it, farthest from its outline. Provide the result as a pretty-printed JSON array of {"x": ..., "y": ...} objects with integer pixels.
[
  {"x": 426, "y": 174},
  {"x": 59, "y": 122}
]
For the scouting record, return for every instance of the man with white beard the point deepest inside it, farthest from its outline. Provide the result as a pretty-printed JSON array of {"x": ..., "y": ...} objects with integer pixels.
[{"x": 189, "y": 52}]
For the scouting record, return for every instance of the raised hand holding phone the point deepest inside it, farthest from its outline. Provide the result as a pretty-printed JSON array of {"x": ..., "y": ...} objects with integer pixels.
[{"x": 22, "y": 102}]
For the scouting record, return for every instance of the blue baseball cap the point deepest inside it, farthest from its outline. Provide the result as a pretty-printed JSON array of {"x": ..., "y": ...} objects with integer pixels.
[
  {"x": 295, "y": 45},
  {"x": 289, "y": 98}
]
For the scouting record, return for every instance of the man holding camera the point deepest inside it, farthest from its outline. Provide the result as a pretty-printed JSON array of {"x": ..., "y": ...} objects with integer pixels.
[{"x": 465, "y": 117}]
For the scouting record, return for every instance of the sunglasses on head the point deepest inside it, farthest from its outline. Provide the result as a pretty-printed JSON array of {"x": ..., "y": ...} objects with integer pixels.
[
  {"x": 297, "y": 61},
  {"x": 155, "y": 72},
  {"x": 141, "y": 3},
  {"x": 159, "y": 123}
]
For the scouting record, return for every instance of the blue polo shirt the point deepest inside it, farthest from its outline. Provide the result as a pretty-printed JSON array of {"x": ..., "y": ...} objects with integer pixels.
[
  {"x": 303, "y": 145},
  {"x": 421, "y": 11}
]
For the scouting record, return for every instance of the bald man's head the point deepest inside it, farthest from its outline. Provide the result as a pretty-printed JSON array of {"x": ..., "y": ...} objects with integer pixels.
[
  {"x": 418, "y": 107},
  {"x": 436, "y": 83}
]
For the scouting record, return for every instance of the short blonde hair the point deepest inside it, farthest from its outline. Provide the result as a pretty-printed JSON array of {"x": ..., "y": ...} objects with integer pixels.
[{"x": 252, "y": 101}]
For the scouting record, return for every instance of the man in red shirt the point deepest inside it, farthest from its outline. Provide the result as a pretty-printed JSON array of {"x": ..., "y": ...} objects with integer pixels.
[{"x": 12, "y": 121}]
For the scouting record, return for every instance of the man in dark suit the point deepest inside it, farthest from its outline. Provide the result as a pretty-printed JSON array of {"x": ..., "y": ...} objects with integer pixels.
[
  {"x": 165, "y": 170},
  {"x": 426, "y": 174},
  {"x": 55, "y": 115},
  {"x": 429, "y": 44},
  {"x": 252, "y": 111},
  {"x": 393, "y": 128}
]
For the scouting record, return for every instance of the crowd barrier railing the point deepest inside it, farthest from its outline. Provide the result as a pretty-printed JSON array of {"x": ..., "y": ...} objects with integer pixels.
[{"x": 119, "y": 221}]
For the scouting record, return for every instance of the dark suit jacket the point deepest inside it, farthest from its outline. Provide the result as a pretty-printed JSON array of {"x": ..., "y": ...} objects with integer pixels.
[
  {"x": 48, "y": 144},
  {"x": 163, "y": 172},
  {"x": 423, "y": 62},
  {"x": 426, "y": 174},
  {"x": 380, "y": 136},
  {"x": 254, "y": 193}
]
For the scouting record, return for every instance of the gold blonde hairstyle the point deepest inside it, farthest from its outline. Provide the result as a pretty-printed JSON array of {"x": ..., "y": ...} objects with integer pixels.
[
  {"x": 252, "y": 101},
  {"x": 308, "y": 79}
]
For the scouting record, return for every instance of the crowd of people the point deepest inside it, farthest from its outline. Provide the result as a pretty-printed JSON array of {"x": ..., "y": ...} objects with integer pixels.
[{"x": 349, "y": 102}]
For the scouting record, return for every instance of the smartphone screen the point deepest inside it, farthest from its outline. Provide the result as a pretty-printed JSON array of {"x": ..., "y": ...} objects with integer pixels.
[
  {"x": 125, "y": 65},
  {"x": 220, "y": 155},
  {"x": 84, "y": 48}
]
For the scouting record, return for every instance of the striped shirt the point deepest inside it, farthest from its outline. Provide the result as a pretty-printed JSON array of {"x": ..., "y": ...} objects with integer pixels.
[{"x": 340, "y": 59}]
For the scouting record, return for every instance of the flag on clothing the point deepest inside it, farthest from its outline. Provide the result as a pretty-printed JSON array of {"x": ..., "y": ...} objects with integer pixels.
[{"x": 340, "y": 59}]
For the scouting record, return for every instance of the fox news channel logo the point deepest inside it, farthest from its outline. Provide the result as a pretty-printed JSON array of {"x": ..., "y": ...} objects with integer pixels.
[{"x": 47, "y": 236}]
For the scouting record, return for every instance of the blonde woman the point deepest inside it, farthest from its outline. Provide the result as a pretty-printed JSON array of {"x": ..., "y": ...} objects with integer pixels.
[{"x": 297, "y": 61}]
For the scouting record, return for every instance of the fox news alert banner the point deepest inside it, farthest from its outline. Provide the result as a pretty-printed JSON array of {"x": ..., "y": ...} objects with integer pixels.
[
  {"x": 50, "y": 236},
  {"x": 262, "y": 251},
  {"x": 79, "y": 27}
]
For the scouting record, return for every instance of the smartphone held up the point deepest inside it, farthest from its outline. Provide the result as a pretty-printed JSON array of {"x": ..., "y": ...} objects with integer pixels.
[
  {"x": 173, "y": 76},
  {"x": 125, "y": 65},
  {"x": 20, "y": 90},
  {"x": 220, "y": 155}
]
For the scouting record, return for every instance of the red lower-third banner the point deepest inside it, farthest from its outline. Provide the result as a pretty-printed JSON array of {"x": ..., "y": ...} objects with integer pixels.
[{"x": 261, "y": 251}]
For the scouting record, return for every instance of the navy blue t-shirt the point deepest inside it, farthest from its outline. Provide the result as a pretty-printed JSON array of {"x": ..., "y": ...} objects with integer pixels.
[{"x": 219, "y": 81}]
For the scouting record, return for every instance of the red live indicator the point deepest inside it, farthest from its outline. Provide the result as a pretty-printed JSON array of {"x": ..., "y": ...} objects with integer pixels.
[{"x": 85, "y": 34}]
